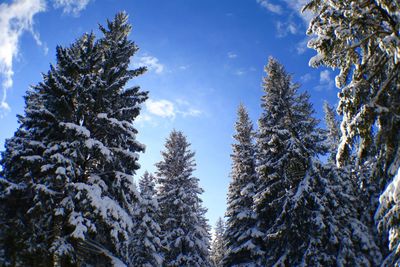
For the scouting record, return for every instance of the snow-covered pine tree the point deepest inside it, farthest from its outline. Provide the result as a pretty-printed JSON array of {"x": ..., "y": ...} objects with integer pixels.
[
  {"x": 353, "y": 190},
  {"x": 183, "y": 223},
  {"x": 297, "y": 203},
  {"x": 77, "y": 152},
  {"x": 241, "y": 219},
  {"x": 217, "y": 246},
  {"x": 361, "y": 38},
  {"x": 333, "y": 131},
  {"x": 146, "y": 242}
]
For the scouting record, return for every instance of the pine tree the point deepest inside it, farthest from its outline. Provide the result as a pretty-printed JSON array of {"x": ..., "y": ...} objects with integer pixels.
[
  {"x": 362, "y": 40},
  {"x": 333, "y": 131},
  {"x": 146, "y": 245},
  {"x": 184, "y": 227},
  {"x": 218, "y": 244},
  {"x": 241, "y": 219},
  {"x": 302, "y": 210},
  {"x": 77, "y": 154}
]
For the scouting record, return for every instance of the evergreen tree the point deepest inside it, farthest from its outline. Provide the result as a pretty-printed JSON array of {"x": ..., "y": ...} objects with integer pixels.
[
  {"x": 361, "y": 38},
  {"x": 77, "y": 152},
  {"x": 333, "y": 131},
  {"x": 217, "y": 245},
  {"x": 241, "y": 219},
  {"x": 184, "y": 227},
  {"x": 303, "y": 213},
  {"x": 146, "y": 245}
]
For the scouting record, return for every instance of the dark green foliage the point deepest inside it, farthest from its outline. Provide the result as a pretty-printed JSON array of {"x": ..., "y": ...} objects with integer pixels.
[{"x": 76, "y": 153}]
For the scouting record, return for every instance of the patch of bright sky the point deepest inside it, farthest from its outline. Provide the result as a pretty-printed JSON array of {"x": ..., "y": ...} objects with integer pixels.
[{"x": 204, "y": 58}]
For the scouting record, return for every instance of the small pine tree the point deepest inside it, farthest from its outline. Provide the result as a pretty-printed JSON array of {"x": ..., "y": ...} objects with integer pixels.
[
  {"x": 241, "y": 219},
  {"x": 184, "y": 227},
  {"x": 146, "y": 245},
  {"x": 217, "y": 245}
]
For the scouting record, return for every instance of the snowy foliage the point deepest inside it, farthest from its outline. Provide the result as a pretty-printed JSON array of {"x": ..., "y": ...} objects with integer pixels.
[
  {"x": 76, "y": 153},
  {"x": 146, "y": 242},
  {"x": 217, "y": 245},
  {"x": 241, "y": 219},
  {"x": 333, "y": 131},
  {"x": 389, "y": 214},
  {"x": 302, "y": 209},
  {"x": 361, "y": 39},
  {"x": 185, "y": 235}
]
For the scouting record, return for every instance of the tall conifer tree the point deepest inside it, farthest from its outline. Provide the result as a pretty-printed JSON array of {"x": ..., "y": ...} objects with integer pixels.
[
  {"x": 185, "y": 231},
  {"x": 76, "y": 150},
  {"x": 299, "y": 207},
  {"x": 241, "y": 219}
]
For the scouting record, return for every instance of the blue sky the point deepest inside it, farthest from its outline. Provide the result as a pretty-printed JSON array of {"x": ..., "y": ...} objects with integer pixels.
[{"x": 204, "y": 58}]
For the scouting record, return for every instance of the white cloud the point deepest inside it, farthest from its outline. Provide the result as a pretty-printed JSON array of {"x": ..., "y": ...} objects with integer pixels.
[
  {"x": 73, "y": 7},
  {"x": 325, "y": 81},
  {"x": 184, "y": 67},
  {"x": 152, "y": 64},
  {"x": 240, "y": 72},
  {"x": 232, "y": 55},
  {"x": 15, "y": 19},
  {"x": 289, "y": 9},
  {"x": 162, "y": 108},
  {"x": 191, "y": 112},
  {"x": 277, "y": 9},
  {"x": 301, "y": 46},
  {"x": 324, "y": 76},
  {"x": 306, "y": 78},
  {"x": 166, "y": 109},
  {"x": 296, "y": 6},
  {"x": 284, "y": 28}
]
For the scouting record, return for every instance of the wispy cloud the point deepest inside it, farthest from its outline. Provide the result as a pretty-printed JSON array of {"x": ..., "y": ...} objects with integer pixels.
[
  {"x": 301, "y": 46},
  {"x": 152, "y": 63},
  {"x": 289, "y": 17},
  {"x": 184, "y": 67},
  {"x": 240, "y": 72},
  {"x": 285, "y": 28},
  {"x": 167, "y": 109},
  {"x": 296, "y": 6},
  {"x": 325, "y": 81},
  {"x": 277, "y": 9},
  {"x": 306, "y": 78},
  {"x": 292, "y": 10},
  {"x": 162, "y": 108},
  {"x": 232, "y": 55},
  {"x": 73, "y": 7},
  {"x": 15, "y": 19}
]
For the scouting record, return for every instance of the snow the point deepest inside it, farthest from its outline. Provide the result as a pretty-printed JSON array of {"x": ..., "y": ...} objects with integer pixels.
[
  {"x": 93, "y": 143},
  {"x": 32, "y": 158},
  {"x": 80, "y": 130},
  {"x": 392, "y": 192},
  {"x": 107, "y": 208}
]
